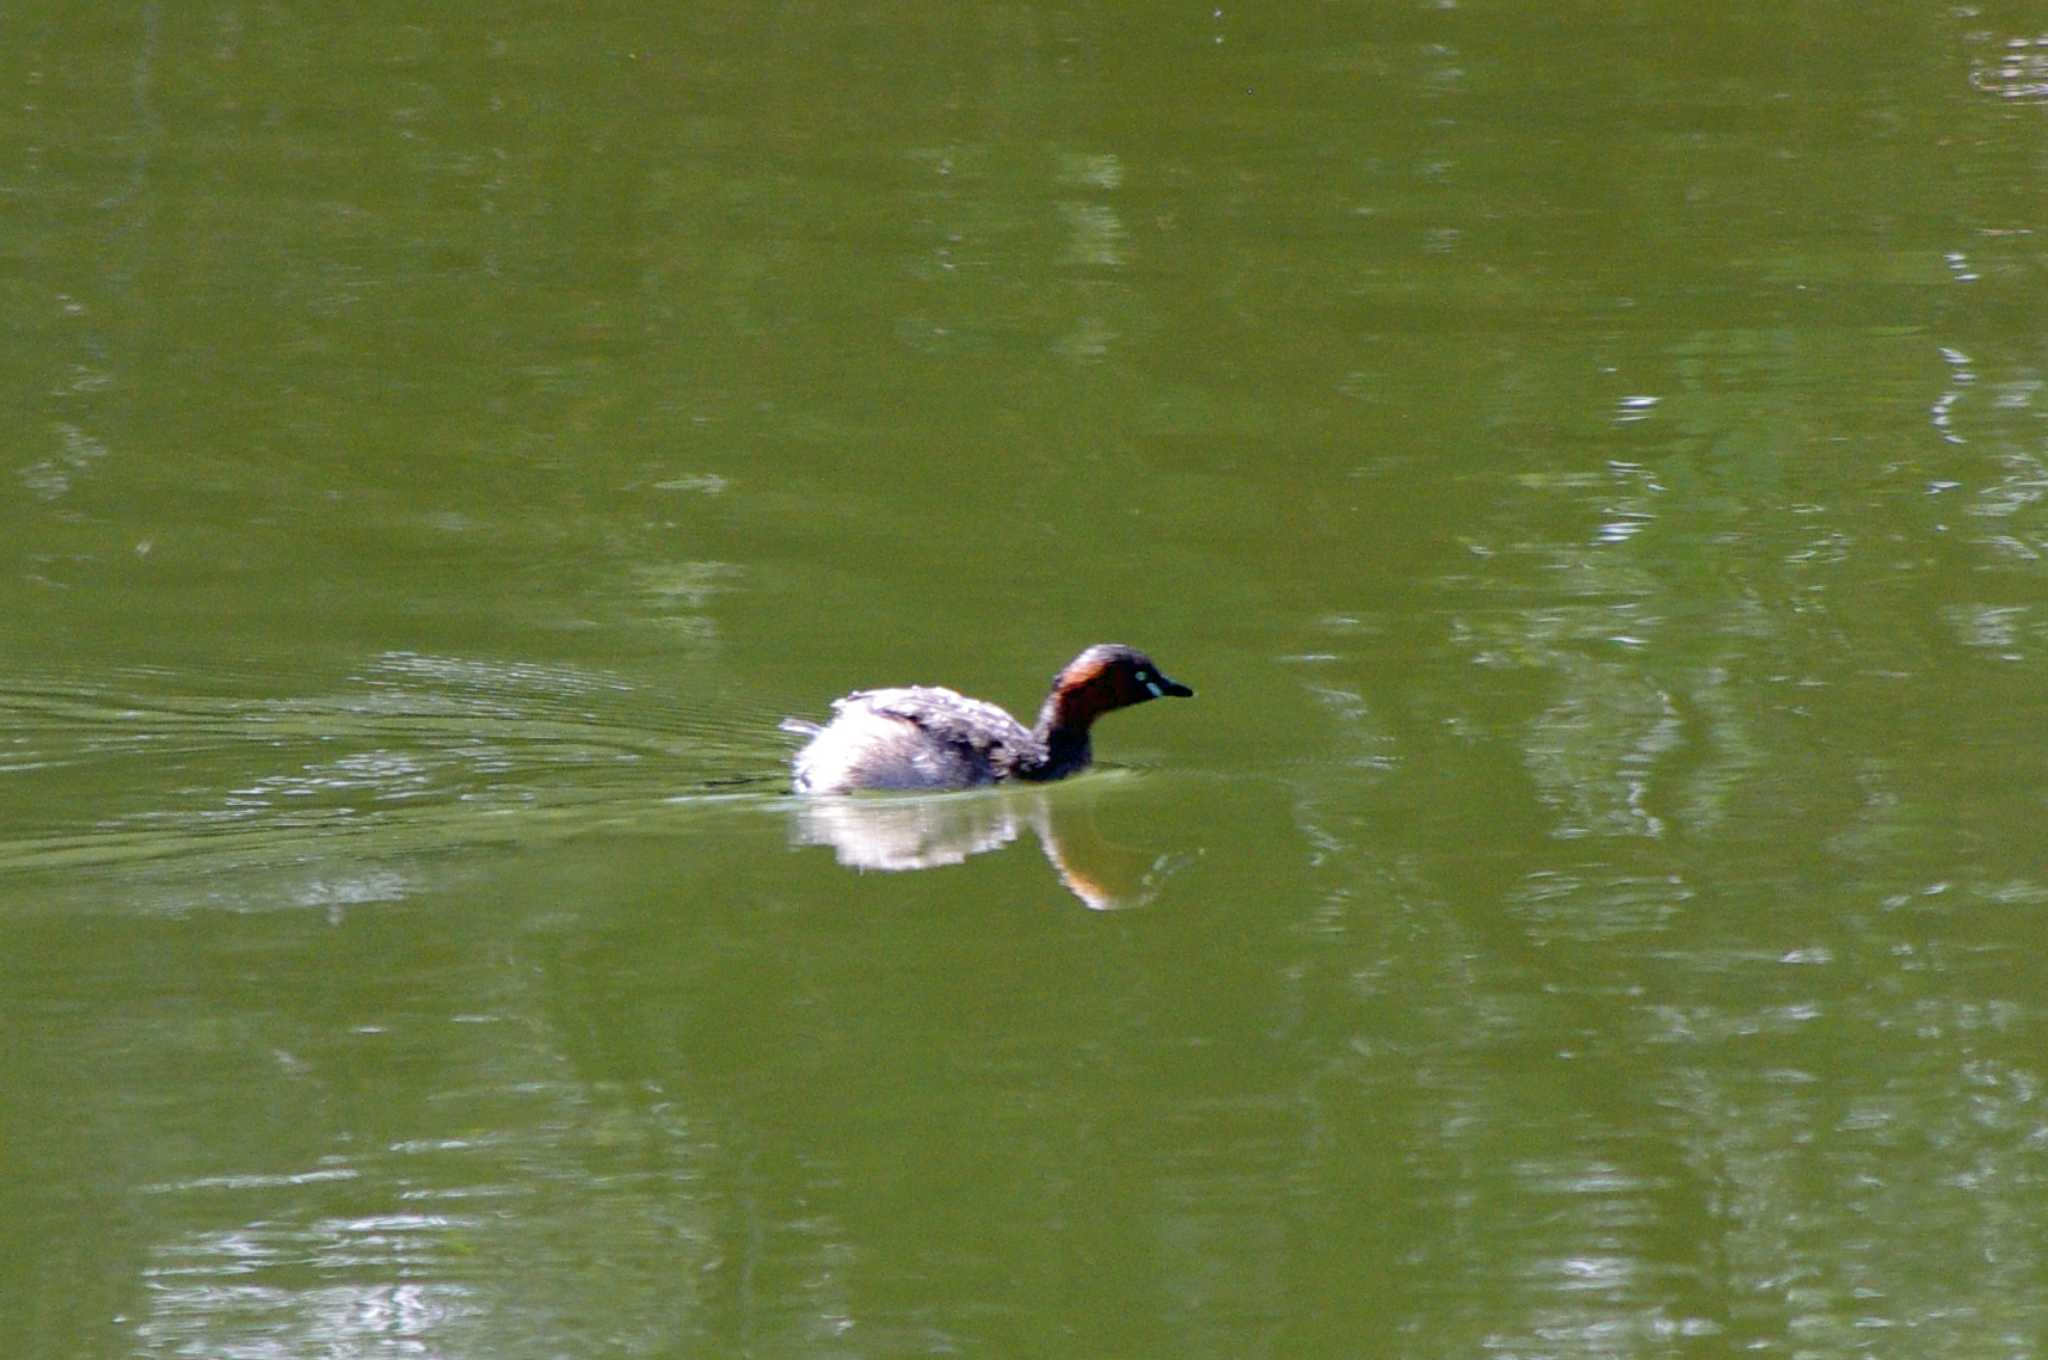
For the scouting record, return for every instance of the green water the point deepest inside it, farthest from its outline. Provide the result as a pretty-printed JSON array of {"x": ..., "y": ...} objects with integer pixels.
[{"x": 1589, "y": 459}]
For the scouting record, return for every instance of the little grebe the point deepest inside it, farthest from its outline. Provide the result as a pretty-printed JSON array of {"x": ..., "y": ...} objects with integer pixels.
[{"x": 924, "y": 737}]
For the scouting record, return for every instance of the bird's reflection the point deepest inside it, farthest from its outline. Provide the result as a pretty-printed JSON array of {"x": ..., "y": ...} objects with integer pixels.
[{"x": 898, "y": 833}]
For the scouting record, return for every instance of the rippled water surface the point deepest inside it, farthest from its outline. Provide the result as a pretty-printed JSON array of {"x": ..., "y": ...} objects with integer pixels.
[{"x": 1589, "y": 460}]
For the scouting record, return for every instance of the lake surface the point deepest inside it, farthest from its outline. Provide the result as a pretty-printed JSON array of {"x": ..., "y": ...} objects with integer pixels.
[{"x": 1589, "y": 459}]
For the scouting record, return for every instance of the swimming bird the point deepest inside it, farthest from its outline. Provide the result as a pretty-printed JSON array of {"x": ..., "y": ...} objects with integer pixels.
[{"x": 929, "y": 737}]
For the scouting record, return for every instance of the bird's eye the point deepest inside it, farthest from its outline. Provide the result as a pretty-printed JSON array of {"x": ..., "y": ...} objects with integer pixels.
[{"x": 1142, "y": 677}]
